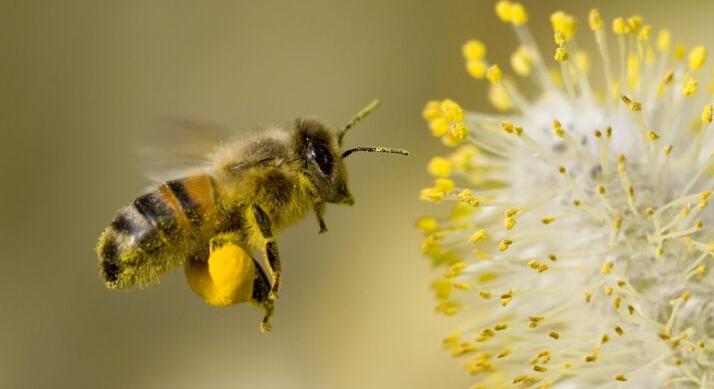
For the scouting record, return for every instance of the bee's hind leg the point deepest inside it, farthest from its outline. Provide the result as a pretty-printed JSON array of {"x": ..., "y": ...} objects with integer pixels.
[
  {"x": 270, "y": 250},
  {"x": 261, "y": 297},
  {"x": 320, "y": 214}
]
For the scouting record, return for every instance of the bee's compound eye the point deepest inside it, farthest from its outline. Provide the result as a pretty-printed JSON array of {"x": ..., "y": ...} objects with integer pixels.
[{"x": 323, "y": 158}]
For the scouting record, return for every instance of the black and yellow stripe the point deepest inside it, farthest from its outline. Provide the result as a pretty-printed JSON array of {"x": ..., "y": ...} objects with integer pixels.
[{"x": 148, "y": 237}]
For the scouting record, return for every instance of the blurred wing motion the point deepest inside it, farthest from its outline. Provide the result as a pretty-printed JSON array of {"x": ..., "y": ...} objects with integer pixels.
[{"x": 177, "y": 147}]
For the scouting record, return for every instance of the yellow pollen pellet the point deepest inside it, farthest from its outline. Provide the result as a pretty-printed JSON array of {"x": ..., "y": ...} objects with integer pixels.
[
  {"x": 707, "y": 114},
  {"x": 484, "y": 294},
  {"x": 439, "y": 167},
  {"x": 689, "y": 87},
  {"x": 595, "y": 20},
  {"x": 494, "y": 74},
  {"x": 697, "y": 57},
  {"x": 473, "y": 50},
  {"x": 619, "y": 26},
  {"x": 561, "y": 54},
  {"x": 547, "y": 220},
  {"x": 619, "y": 330},
  {"x": 500, "y": 326},
  {"x": 478, "y": 236},
  {"x": 653, "y": 136},
  {"x": 504, "y": 244},
  {"x": 621, "y": 377},
  {"x": 606, "y": 268},
  {"x": 554, "y": 335},
  {"x": 588, "y": 296},
  {"x": 452, "y": 111}
]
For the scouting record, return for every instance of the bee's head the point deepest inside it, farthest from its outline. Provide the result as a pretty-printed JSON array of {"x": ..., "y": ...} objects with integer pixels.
[{"x": 320, "y": 151}]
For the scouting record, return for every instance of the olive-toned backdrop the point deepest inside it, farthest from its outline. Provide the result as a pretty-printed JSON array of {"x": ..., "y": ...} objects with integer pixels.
[{"x": 80, "y": 81}]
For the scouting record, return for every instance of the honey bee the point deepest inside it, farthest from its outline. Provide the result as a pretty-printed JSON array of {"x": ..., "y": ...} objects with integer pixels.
[{"x": 210, "y": 220}]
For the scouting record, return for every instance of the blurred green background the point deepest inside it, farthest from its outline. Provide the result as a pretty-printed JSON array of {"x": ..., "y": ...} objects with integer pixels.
[{"x": 80, "y": 81}]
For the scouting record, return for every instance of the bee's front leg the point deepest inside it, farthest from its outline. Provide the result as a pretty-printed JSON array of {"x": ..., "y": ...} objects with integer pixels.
[
  {"x": 271, "y": 248},
  {"x": 320, "y": 213}
]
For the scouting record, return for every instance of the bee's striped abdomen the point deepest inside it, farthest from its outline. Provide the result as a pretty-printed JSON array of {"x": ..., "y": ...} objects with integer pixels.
[{"x": 156, "y": 232}]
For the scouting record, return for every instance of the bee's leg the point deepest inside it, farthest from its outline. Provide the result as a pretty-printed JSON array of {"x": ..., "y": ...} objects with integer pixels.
[
  {"x": 261, "y": 297},
  {"x": 271, "y": 248},
  {"x": 320, "y": 213}
]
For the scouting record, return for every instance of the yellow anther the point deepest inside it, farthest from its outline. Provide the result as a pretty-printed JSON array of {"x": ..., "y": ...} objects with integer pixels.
[
  {"x": 600, "y": 189},
  {"x": 463, "y": 348},
  {"x": 503, "y": 353},
  {"x": 534, "y": 321},
  {"x": 558, "y": 128},
  {"x": 451, "y": 340},
  {"x": 521, "y": 61},
  {"x": 562, "y": 170},
  {"x": 576, "y": 203},
  {"x": 476, "y": 69},
  {"x": 439, "y": 167},
  {"x": 645, "y": 33},
  {"x": 509, "y": 222},
  {"x": 684, "y": 296},
  {"x": 504, "y": 244},
  {"x": 439, "y": 126},
  {"x": 621, "y": 377},
  {"x": 485, "y": 334},
  {"x": 617, "y": 223},
  {"x": 697, "y": 57},
  {"x": 595, "y": 20},
  {"x": 608, "y": 132},
  {"x": 630, "y": 309},
  {"x": 507, "y": 127},
  {"x": 608, "y": 290},
  {"x": 456, "y": 268},
  {"x": 707, "y": 114},
  {"x": 445, "y": 185},
  {"x": 699, "y": 225},
  {"x": 547, "y": 220},
  {"x": 604, "y": 339},
  {"x": 606, "y": 268},
  {"x": 690, "y": 86},
  {"x": 619, "y": 330},
  {"x": 510, "y": 212},
  {"x": 500, "y": 326},
  {"x": 554, "y": 335},
  {"x": 667, "y": 150},
  {"x": 563, "y": 23},
  {"x": 634, "y": 106},
  {"x": 679, "y": 52},
  {"x": 650, "y": 212},
  {"x": 448, "y": 308},
  {"x": 431, "y": 195},
  {"x": 466, "y": 197},
  {"x": 664, "y": 41},
  {"x": 653, "y": 136},
  {"x": 540, "y": 369},
  {"x": 484, "y": 294},
  {"x": 431, "y": 110},
  {"x": 621, "y": 283},
  {"x": 582, "y": 61},
  {"x": 519, "y": 16},
  {"x": 634, "y": 23},
  {"x": 427, "y": 224},
  {"x": 616, "y": 302},
  {"x": 701, "y": 269},
  {"x": 473, "y": 50},
  {"x": 590, "y": 358},
  {"x": 552, "y": 257},
  {"x": 506, "y": 300},
  {"x": 588, "y": 296},
  {"x": 499, "y": 97},
  {"x": 459, "y": 131},
  {"x": 619, "y": 26},
  {"x": 561, "y": 54},
  {"x": 494, "y": 74},
  {"x": 537, "y": 266},
  {"x": 478, "y": 236},
  {"x": 504, "y": 11},
  {"x": 452, "y": 110}
]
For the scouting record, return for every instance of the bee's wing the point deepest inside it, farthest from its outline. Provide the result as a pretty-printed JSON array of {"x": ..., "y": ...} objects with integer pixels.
[{"x": 178, "y": 146}]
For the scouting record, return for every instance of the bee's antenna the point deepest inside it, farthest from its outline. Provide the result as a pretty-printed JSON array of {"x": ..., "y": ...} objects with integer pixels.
[
  {"x": 360, "y": 115},
  {"x": 375, "y": 150}
]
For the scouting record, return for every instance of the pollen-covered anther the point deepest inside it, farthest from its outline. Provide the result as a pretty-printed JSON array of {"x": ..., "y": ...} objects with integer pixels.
[
  {"x": 494, "y": 74},
  {"x": 547, "y": 220},
  {"x": 561, "y": 54},
  {"x": 653, "y": 136},
  {"x": 606, "y": 268},
  {"x": 478, "y": 236},
  {"x": 619, "y": 330},
  {"x": 503, "y": 353},
  {"x": 707, "y": 114},
  {"x": 697, "y": 57},
  {"x": 509, "y": 222},
  {"x": 484, "y": 294},
  {"x": 537, "y": 266},
  {"x": 534, "y": 321},
  {"x": 634, "y": 106},
  {"x": 466, "y": 197},
  {"x": 504, "y": 244},
  {"x": 689, "y": 87},
  {"x": 621, "y": 377},
  {"x": 554, "y": 335}
]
